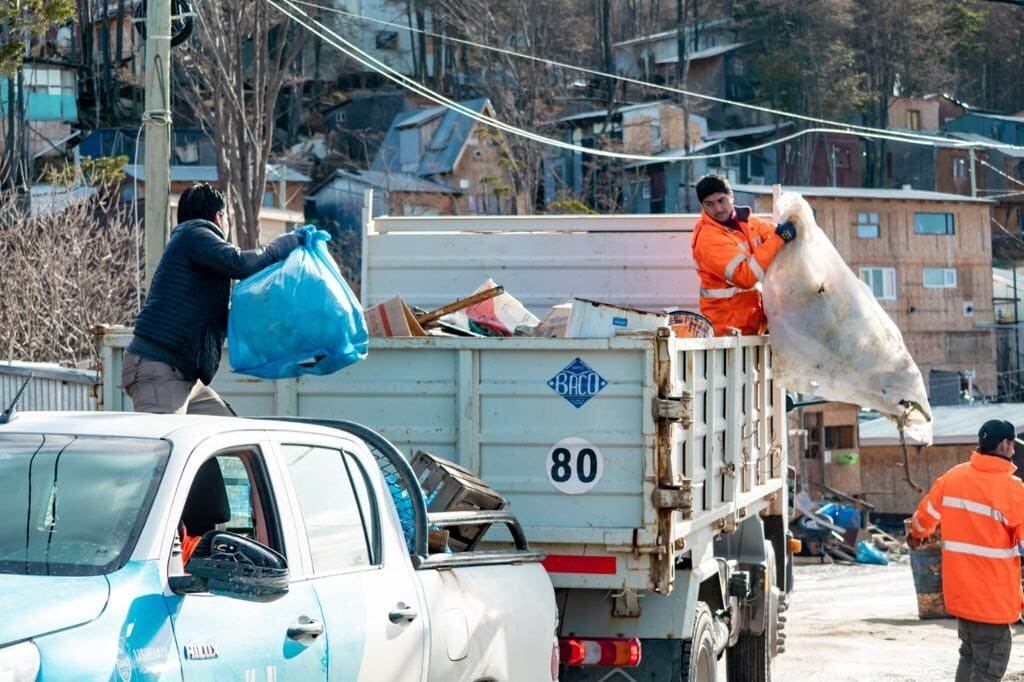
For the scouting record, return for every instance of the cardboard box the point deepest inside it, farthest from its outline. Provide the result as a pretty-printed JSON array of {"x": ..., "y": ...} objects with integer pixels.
[
  {"x": 392, "y": 318},
  {"x": 594, "y": 320},
  {"x": 554, "y": 325}
]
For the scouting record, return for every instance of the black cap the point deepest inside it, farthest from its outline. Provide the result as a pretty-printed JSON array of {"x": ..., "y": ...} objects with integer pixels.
[{"x": 995, "y": 431}]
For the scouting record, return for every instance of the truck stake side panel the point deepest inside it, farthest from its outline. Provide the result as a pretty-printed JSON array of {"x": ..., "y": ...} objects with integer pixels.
[{"x": 613, "y": 453}]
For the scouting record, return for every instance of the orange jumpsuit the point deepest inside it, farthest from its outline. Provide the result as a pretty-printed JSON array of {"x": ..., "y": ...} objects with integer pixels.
[{"x": 730, "y": 264}]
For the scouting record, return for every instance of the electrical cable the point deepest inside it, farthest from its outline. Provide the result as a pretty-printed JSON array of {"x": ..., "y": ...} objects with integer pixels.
[
  {"x": 346, "y": 47},
  {"x": 655, "y": 86},
  {"x": 1000, "y": 172}
]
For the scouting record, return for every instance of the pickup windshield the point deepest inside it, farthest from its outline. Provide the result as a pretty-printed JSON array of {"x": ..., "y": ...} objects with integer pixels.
[{"x": 74, "y": 505}]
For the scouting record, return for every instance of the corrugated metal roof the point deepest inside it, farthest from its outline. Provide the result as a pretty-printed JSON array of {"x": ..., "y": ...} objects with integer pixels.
[
  {"x": 1001, "y": 117},
  {"x": 706, "y": 53},
  {"x": 210, "y": 174},
  {"x": 668, "y": 154},
  {"x": 419, "y": 118},
  {"x": 952, "y": 424},
  {"x": 52, "y": 387},
  {"x": 396, "y": 182},
  {"x": 442, "y": 150},
  {"x": 863, "y": 193},
  {"x": 746, "y": 132},
  {"x": 975, "y": 137}
]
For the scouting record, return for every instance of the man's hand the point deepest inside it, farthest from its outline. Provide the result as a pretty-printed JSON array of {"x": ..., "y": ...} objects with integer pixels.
[
  {"x": 286, "y": 243},
  {"x": 787, "y": 231}
]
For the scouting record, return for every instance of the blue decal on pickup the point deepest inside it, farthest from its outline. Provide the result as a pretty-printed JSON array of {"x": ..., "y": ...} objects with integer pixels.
[{"x": 577, "y": 383}]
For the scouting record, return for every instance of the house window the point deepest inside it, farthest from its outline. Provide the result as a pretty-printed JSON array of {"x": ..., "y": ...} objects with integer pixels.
[
  {"x": 268, "y": 199},
  {"x": 933, "y": 223},
  {"x": 645, "y": 190},
  {"x": 913, "y": 119},
  {"x": 940, "y": 278},
  {"x": 387, "y": 40},
  {"x": 655, "y": 134},
  {"x": 1020, "y": 219},
  {"x": 882, "y": 282},
  {"x": 867, "y": 226},
  {"x": 959, "y": 169}
]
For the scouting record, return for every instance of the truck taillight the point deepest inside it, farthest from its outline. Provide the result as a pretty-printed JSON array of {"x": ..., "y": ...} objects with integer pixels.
[{"x": 615, "y": 652}]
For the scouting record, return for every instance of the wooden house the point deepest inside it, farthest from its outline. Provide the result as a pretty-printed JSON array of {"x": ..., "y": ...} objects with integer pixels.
[{"x": 442, "y": 146}]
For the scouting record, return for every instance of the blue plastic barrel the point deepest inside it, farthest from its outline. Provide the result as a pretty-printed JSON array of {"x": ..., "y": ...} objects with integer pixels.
[{"x": 926, "y": 565}]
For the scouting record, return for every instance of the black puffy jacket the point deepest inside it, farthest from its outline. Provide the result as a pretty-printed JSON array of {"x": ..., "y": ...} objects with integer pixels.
[{"x": 185, "y": 318}]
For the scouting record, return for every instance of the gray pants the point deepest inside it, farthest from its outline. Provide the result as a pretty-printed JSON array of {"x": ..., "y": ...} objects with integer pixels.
[
  {"x": 162, "y": 389},
  {"x": 984, "y": 651}
]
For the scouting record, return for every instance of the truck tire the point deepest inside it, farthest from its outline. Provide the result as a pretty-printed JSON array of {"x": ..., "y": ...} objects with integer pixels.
[
  {"x": 699, "y": 661},
  {"x": 750, "y": 660}
]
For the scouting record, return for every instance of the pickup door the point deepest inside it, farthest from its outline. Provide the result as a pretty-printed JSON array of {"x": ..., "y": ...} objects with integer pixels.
[
  {"x": 220, "y": 637},
  {"x": 356, "y": 558}
]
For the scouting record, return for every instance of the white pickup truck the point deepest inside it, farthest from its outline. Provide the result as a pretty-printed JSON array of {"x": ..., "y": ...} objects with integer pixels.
[
  {"x": 650, "y": 469},
  {"x": 298, "y": 568}
]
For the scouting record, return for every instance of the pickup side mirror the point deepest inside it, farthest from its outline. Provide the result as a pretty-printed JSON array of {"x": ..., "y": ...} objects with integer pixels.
[{"x": 234, "y": 566}]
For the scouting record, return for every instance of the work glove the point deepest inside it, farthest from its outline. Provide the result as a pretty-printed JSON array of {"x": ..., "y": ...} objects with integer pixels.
[
  {"x": 787, "y": 231},
  {"x": 287, "y": 242}
]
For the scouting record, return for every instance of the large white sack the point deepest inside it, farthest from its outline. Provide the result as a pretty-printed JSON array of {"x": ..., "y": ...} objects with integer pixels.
[{"x": 829, "y": 335}]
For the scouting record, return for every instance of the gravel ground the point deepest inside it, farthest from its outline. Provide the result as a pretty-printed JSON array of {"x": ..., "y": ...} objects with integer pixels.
[{"x": 856, "y": 623}]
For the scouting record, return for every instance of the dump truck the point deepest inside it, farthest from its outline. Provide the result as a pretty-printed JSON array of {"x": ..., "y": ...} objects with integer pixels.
[{"x": 650, "y": 469}]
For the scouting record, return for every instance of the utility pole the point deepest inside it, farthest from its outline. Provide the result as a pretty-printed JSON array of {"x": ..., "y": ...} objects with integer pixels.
[{"x": 157, "y": 123}]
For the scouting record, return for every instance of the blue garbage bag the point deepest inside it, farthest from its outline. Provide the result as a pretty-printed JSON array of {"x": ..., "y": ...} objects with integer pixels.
[
  {"x": 296, "y": 317},
  {"x": 867, "y": 553}
]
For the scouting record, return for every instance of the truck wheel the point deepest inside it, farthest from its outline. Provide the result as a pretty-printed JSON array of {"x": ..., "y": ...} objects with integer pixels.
[
  {"x": 750, "y": 660},
  {"x": 699, "y": 661}
]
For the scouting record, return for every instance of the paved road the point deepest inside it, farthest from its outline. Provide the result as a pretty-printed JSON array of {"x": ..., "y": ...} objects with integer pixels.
[{"x": 856, "y": 623}]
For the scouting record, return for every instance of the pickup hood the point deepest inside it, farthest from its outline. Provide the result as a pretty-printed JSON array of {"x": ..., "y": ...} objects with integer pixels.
[{"x": 36, "y": 605}]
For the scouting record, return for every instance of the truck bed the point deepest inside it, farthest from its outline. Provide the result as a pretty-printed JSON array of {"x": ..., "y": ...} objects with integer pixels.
[{"x": 660, "y": 416}]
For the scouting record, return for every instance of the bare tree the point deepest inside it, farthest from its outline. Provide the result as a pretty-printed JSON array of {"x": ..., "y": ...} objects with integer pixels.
[
  {"x": 67, "y": 267},
  {"x": 524, "y": 93},
  {"x": 230, "y": 78}
]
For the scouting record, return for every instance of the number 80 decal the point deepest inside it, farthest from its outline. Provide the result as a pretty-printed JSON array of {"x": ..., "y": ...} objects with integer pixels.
[{"x": 574, "y": 466}]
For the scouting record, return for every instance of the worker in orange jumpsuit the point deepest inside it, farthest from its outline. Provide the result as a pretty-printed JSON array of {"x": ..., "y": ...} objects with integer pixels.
[
  {"x": 980, "y": 505},
  {"x": 733, "y": 249}
]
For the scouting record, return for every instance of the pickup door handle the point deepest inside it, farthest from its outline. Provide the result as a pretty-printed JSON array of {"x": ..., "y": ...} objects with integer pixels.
[
  {"x": 305, "y": 629},
  {"x": 402, "y": 613}
]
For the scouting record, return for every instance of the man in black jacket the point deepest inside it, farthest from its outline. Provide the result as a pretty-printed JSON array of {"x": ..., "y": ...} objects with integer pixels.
[{"x": 175, "y": 352}]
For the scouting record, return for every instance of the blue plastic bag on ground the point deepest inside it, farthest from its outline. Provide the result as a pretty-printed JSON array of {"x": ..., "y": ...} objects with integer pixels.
[
  {"x": 867, "y": 553},
  {"x": 296, "y": 317}
]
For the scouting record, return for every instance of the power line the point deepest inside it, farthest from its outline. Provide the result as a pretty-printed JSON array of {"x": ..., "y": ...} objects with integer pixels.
[
  {"x": 903, "y": 136},
  {"x": 348, "y": 48},
  {"x": 1000, "y": 172}
]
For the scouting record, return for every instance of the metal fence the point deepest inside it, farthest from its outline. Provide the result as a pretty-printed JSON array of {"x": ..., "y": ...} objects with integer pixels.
[{"x": 52, "y": 388}]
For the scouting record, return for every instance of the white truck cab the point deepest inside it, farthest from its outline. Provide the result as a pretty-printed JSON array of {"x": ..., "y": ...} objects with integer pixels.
[{"x": 302, "y": 572}]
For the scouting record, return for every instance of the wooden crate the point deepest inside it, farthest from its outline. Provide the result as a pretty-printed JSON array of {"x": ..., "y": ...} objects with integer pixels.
[{"x": 448, "y": 487}]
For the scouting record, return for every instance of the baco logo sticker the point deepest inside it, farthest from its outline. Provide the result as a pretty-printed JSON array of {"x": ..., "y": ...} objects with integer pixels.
[
  {"x": 574, "y": 465},
  {"x": 577, "y": 382}
]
